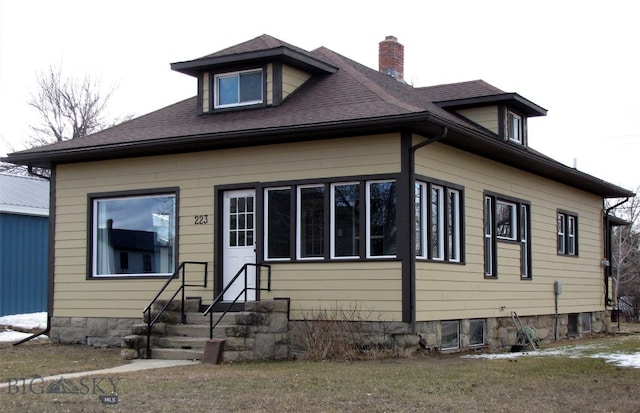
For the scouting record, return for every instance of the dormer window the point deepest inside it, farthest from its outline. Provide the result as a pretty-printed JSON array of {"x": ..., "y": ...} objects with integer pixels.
[
  {"x": 515, "y": 131},
  {"x": 238, "y": 88}
]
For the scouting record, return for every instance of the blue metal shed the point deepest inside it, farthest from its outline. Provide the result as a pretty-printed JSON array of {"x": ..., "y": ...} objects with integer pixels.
[{"x": 24, "y": 239}]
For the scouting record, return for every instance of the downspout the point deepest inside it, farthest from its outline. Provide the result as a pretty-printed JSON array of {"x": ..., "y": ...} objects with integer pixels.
[
  {"x": 412, "y": 220},
  {"x": 608, "y": 301},
  {"x": 50, "y": 254}
]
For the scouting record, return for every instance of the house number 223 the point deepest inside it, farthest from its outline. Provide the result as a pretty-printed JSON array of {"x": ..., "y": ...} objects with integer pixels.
[{"x": 201, "y": 219}]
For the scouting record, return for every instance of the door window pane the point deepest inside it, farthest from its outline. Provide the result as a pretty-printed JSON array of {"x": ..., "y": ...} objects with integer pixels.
[{"x": 241, "y": 221}]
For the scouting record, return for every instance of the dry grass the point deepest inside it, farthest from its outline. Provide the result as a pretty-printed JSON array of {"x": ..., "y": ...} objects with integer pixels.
[
  {"x": 425, "y": 383},
  {"x": 43, "y": 359}
]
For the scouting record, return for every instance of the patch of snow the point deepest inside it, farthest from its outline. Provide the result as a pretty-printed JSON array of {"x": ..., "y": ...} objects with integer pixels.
[
  {"x": 37, "y": 321},
  {"x": 25, "y": 321},
  {"x": 619, "y": 359}
]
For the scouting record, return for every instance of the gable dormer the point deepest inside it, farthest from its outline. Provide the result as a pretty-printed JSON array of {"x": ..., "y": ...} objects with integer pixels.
[
  {"x": 259, "y": 73},
  {"x": 504, "y": 114}
]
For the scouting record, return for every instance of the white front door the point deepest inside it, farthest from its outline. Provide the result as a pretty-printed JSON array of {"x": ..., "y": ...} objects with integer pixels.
[{"x": 239, "y": 243}]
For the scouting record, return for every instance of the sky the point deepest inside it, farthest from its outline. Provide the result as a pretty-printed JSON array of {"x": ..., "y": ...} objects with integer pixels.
[{"x": 579, "y": 60}]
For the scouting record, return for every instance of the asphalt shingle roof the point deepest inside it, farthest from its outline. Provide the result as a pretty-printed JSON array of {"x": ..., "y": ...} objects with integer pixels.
[{"x": 340, "y": 94}]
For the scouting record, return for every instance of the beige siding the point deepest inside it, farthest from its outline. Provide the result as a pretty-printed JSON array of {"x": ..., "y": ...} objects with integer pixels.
[
  {"x": 486, "y": 116},
  {"x": 355, "y": 286},
  {"x": 269, "y": 84},
  {"x": 196, "y": 175},
  {"x": 292, "y": 79},
  {"x": 205, "y": 92},
  {"x": 453, "y": 291}
]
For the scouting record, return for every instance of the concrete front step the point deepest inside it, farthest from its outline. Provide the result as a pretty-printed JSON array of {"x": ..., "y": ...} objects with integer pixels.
[
  {"x": 184, "y": 343},
  {"x": 198, "y": 318},
  {"x": 190, "y": 305},
  {"x": 177, "y": 354}
]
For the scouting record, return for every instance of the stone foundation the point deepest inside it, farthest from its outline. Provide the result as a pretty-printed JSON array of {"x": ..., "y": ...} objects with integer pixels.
[
  {"x": 263, "y": 331},
  {"x": 92, "y": 331}
]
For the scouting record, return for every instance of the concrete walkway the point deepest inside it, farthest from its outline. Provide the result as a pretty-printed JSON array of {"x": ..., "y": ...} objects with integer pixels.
[{"x": 134, "y": 365}]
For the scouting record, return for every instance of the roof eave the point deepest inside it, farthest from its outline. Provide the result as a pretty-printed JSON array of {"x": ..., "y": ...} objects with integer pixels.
[
  {"x": 513, "y": 99},
  {"x": 282, "y": 53},
  {"x": 423, "y": 123}
]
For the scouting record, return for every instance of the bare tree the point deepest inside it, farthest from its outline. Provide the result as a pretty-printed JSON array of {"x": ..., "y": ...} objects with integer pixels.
[
  {"x": 626, "y": 250},
  {"x": 68, "y": 108}
]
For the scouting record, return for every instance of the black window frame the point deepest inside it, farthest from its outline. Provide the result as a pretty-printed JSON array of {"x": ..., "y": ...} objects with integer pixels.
[
  {"x": 522, "y": 237},
  {"x": 425, "y": 225},
  {"x": 563, "y": 245},
  {"x": 295, "y": 255}
]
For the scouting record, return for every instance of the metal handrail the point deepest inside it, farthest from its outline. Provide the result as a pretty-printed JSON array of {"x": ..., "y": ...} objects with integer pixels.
[
  {"x": 218, "y": 298},
  {"x": 176, "y": 274}
]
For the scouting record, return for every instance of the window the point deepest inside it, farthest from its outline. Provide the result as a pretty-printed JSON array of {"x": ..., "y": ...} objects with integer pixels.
[
  {"x": 278, "y": 223},
  {"x": 238, "y": 88},
  {"x": 506, "y": 220},
  {"x": 345, "y": 218},
  {"x": 438, "y": 218},
  {"x": 311, "y": 221},
  {"x": 381, "y": 219},
  {"x": 436, "y": 229},
  {"x": 567, "y": 233},
  {"x": 514, "y": 128},
  {"x": 450, "y": 335},
  {"x": 585, "y": 319},
  {"x": 477, "y": 336},
  {"x": 525, "y": 252},
  {"x": 330, "y": 221},
  {"x": 133, "y": 235},
  {"x": 489, "y": 239}
]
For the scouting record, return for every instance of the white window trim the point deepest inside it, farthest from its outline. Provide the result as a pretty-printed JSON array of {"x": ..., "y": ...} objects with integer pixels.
[
  {"x": 524, "y": 236},
  {"x": 571, "y": 235},
  {"x": 216, "y": 93},
  {"x": 440, "y": 224},
  {"x": 299, "y": 239},
  {"x": 561, "y": 222},
  {"x": 424, "y": 233},
  {"x": 266, "y": 223},
  {"x": 332, "y": 223},
  {"x": 512, "y": 117},
  {"x": 488, "y": 236},
  {"x": 94, "y": 237},
  {"x": 454, "y": 223}
]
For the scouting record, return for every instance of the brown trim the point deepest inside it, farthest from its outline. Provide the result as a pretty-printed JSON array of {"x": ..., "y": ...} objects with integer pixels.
[
  {"x": 405, "y": 241},
  {"x": 277, "y": 84},
  {"x": 52, "y": 240}
]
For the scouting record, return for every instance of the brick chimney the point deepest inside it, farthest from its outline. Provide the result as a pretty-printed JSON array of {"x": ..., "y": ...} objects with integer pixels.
[{"x": 391, "y": 58}]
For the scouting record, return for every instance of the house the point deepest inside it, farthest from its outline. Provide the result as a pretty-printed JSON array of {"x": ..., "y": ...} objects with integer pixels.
[
  {"x": 424, "y": 209},
  {"x": 24, "y": 238}
]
